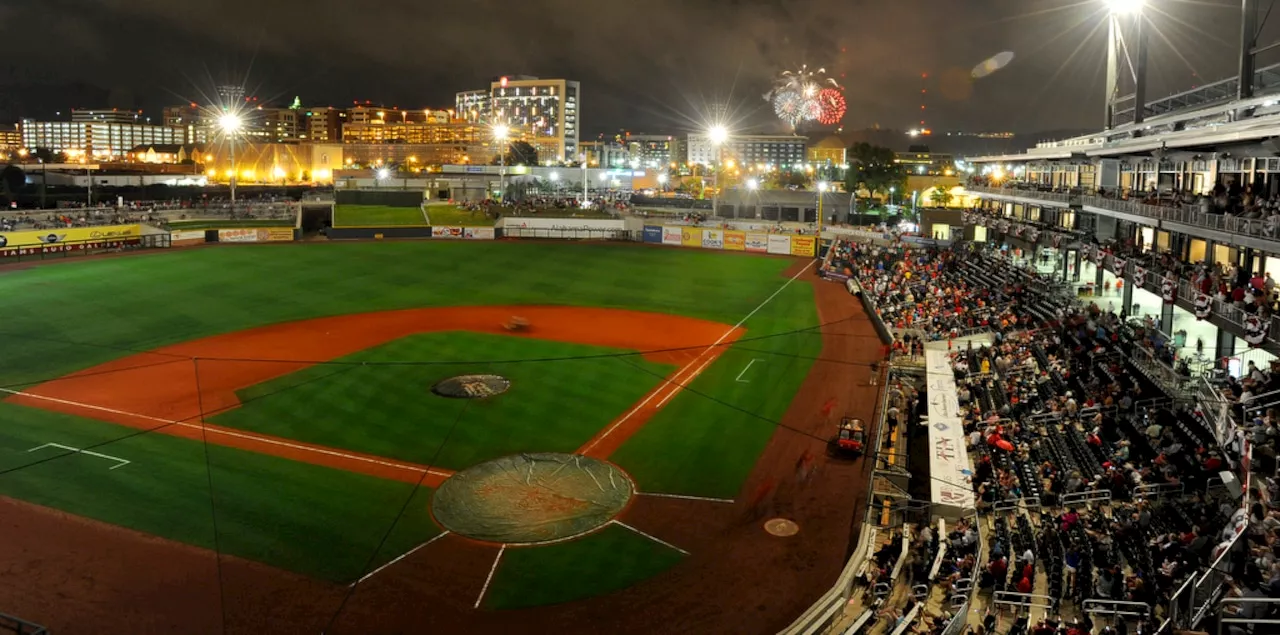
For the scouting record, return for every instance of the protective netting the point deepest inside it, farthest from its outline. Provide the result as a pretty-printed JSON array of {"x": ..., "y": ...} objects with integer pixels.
[{"x": 529, "y": 498}]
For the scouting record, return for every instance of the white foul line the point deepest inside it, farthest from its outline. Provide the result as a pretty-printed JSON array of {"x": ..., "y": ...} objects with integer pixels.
[
  {"x": 489, "y": 578},
  {"x": 657, "y": 540},
  {"x": 653, "y": 394},
  {"x": 744, "y": 371},
  {"x": 119, "y": 461},
  {"x": 687, "y": 497},
  {"x": 229, "y": 433},
  {"x": 400, "y": 557}
]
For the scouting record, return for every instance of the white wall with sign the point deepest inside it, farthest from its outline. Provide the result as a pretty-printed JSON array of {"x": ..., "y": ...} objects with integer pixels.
[{"x": 950, "y": 487}]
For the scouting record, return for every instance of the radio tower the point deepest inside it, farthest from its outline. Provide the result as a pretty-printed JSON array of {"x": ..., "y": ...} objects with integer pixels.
[{"x": 924, "y": 97}]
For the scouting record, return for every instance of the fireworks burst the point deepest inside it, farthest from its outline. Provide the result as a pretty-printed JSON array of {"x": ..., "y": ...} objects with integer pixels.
[{"x": 805, "y": 95}]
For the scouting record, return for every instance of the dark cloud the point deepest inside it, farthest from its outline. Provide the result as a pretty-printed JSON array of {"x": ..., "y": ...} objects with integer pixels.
[{"x": 658, "y": 65}]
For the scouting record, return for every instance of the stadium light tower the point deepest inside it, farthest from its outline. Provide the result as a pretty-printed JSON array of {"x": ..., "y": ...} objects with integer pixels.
[
  {"x": 718, "y": 135},
  {"x": 1119, "y": 12},
  {"x": 500, "y": 133},
  {"x": 230, "y": 123}
]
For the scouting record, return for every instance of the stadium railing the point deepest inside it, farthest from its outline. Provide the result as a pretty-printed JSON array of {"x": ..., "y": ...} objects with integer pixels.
[{"x": 11, "y": 624}]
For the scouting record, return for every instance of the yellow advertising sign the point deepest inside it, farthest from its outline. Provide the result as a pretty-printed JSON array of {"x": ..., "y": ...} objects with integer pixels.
[
  {"x": 803, "y": 246},
  {"x": 691, "y": 236},
  {"x": 735, "y": 240},
  {"x": 31, "y": 238}
]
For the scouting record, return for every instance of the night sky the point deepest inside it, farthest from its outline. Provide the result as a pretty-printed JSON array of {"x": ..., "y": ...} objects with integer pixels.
[{"x": 658, "y": 66}]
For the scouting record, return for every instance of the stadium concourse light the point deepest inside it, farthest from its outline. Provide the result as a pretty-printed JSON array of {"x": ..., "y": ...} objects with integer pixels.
[
  {"x": 753, "y": 184},
  {"x": 1125, "y": 7}
]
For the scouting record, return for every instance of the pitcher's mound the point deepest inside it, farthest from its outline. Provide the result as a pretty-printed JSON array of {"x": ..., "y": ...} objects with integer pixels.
[
  {"x": 532, "y": 498},
  {"x": 471, "y": 386},
  {"x": 781, "y": 527}
]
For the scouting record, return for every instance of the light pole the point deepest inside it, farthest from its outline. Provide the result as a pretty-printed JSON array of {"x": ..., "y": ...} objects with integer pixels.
[
  {"x": 500, "y": 135},
  {"x": 718, "y": 135},
  {"x": 891, "y": 191},
  {"x": 585, "y": 182},
  {"x": 822, "y": 193},
  {"x": 1119, "y": 10},
  {"x": 230, "y": 124},
  {"x": 662, "y": 182}
]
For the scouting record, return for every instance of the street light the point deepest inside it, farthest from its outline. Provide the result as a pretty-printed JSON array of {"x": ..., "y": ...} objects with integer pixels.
[
  {"x": 891, "y": 191},
  {"x": 230, "y": 123},
  {"x": 718, "y": 135},
  {"x": 500, "y": 133}
]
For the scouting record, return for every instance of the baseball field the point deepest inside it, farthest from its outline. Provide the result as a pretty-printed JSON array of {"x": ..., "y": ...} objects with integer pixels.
[{"x": 423, "y": 437}]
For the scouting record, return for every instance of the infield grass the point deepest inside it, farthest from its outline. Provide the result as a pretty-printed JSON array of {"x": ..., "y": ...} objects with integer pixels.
[
  {"x": 611, "y": 559},
  {"x": 377, "y": 216},
  {"x": 378, "y": 401},
  {"x": 313, "y": 520}
]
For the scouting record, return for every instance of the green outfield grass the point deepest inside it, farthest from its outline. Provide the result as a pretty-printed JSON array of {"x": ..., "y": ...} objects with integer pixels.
[
  {"x": 552, "y": 406},
  {"x": 333, "y": 520},
  {"x": 611, "y": 559},
  {"x": 453, "y": 216},
  {"x": 325, "y": 523},
  {"x": 377, "y": 216},
  {"x": 229, "y": 224}
]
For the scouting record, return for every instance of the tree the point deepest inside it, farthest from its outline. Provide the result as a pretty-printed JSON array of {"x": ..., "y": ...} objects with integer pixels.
[
  {"x": 12, "y": 179},
  {"x": 520, "y": 153},
  {"x": 872, "y": 167},
  {"x": 48, "y": 156},
  {"x": 781, "y": 180},
  {"x": 940, "y": 197}
]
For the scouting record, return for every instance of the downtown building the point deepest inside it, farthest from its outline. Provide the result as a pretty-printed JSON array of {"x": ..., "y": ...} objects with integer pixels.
[
  {"x": 547, "y": 108},
  {"x": 97, "y": 139},
  {"x": 772, "y": 151}
]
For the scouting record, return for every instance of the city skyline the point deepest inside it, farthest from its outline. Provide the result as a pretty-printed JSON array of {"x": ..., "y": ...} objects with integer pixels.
[{"x": 665, "y": 66}]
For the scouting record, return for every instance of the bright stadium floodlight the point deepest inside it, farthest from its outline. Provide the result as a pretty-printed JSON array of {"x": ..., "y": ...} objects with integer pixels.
[
  {"x": 822, "y": 186},
  {"x": 718, "y": 134},
  {"x": 753, "y": 184},
  {"x": 230, "y": 122},
  {"x": 1125, "y": 7},
  {"x": 383, "y": 174}
]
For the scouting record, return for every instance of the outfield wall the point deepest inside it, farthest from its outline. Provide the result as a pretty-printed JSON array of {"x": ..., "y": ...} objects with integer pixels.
[
  {"x": 379, "y": 233},
  {"x": 191, "y": 237},
  {"x": 731, "y": 240}
]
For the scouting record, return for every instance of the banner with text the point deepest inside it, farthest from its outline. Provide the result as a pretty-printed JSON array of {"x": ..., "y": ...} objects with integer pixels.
[
  {"x": 469, "y": 233},
  {"x": 186, "y": 238},
  {"x": 30, "y": 238},
  {"x": 256, "y": 235},
  {"x": 758, "y": 242},
  {"x": 803, "y": 246},
  {"x": 691, "y": 236},
  {"x": 713, "y": 239},
  {"x": 780, "y": 244},
  {"x": 652, "y": 234},
  {"x": 671, "y": 236},
  {"x": 735, "y": 240}
]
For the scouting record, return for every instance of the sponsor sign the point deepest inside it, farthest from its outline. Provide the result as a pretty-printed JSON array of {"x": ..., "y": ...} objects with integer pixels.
[
  {"x": 948, "y": 458},
  {"x": 56, "y": 248},
  {"x": 671, "y": 236},
  {"x": 712, "y": 239},
  {"x": 691, "y": 236},
  {"x": 652, "y": 234},
  {"x": 187, "y": 234},
  {"x": 262, "y": 235},
  {"x": 803, "y": 246},
  {"x": 10, "y": 240},
  {"x": 735, "y": 240},
  {"x": 447, "y": 232},
  {"x": 478, "y": 233},
  {"x": 758, "y": 242},
  {"x": 779, "y": 244}
]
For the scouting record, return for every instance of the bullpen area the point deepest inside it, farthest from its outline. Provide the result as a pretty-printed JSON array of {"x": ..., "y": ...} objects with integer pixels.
[{"x": 445, "y": 437}]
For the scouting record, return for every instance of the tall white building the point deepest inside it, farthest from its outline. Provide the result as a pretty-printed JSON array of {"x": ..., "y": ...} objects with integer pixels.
[
  {"x": 779, "y": 151},
  {"x": 547, "y": 108},
  {"x": 97, "y": 139}
]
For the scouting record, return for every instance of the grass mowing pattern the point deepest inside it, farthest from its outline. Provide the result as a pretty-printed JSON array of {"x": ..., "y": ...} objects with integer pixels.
[
  {"x": 377, "y": 216},
  {"x": 389, "y": 410},
  {"x": 313, "y": 520},
  {"x": 611, "y": 559},
  {"x": 706, "y": 445},
  {"x": 452, "y": 216}
]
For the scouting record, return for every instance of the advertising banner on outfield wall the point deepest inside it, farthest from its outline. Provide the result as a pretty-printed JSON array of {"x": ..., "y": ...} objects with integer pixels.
[
  {"x": 30, "y": 238},
  {"x": 652, "y": 234},
  {"x": 780, "y": 244},
  {"x": 713, "y": 239},
  {"x": 256, "y": 235},
  {"x": 672, "y": 236},
  {"x": 186, "y": 238},
  {"x": 735, "y": 240},
  {"x": 757, "y": 242},
  {"x": 469, "y": 233},
  {"x": 691, "y": 236},
  {"x": 57, "y": 248},
  {"x": 803, "y": 246}
]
